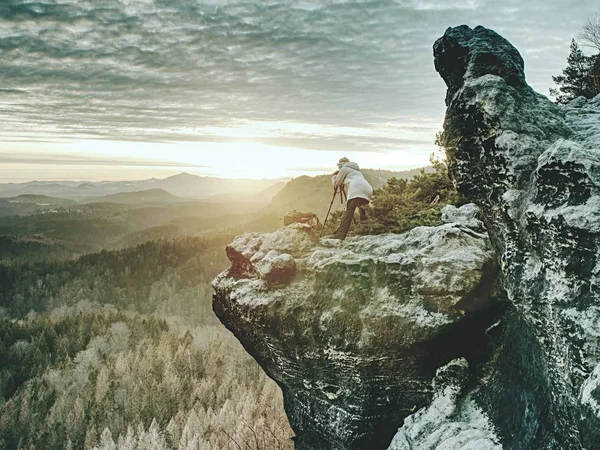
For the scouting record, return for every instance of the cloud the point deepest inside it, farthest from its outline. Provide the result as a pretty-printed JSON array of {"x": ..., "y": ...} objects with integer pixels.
[
  {"x": 147, "y": 69},
  {"x": 74, "y": 160}
]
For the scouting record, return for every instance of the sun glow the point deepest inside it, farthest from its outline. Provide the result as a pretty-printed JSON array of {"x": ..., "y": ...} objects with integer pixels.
[
  {"x": 247, "y": 159},
  {"x": 76, "y": 159}
]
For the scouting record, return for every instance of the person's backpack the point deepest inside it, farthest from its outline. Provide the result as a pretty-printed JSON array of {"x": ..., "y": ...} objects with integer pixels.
[{"x": 296, "y": 216}]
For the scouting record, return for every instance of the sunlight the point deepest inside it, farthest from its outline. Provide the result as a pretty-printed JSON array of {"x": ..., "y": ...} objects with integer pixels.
[{"x": 241, "y": 159}]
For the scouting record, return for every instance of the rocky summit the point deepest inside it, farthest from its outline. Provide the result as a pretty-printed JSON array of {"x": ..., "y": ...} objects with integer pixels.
[
  {"x": 482, "y": 333},
  {"x": 533, "y": 168},
  {"x": 355, "y": 331}
]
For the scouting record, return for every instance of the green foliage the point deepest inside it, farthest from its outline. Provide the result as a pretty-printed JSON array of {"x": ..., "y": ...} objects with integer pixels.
[
  {"x": 19, "y": 250},
  {"x": 28, "y": 347},
  {"x": 72, "y": 231},
  {"x": 313, "y": 194},
  {"x": 581, "y": 77},
  {"x": 157, "y": 276},
  {"x": 87, "y": 358},
  {"x": 404, "y": 204}
]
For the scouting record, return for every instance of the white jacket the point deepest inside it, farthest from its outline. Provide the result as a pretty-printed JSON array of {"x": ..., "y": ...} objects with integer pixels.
[{"x": 354, "y": 181}]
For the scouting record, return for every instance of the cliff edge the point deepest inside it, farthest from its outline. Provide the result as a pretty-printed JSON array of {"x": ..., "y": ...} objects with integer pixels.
[
  {"x": 355, "y": 331},
  {"x": 482, "y": 333}
]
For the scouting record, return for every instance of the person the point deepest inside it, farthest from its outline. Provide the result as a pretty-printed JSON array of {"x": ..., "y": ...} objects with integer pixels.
[{"x": 359, "y": 193}]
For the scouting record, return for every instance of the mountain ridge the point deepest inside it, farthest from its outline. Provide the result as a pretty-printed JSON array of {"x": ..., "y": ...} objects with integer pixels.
[
  {"x": 154, "y": 195},
  {"x": 182, "y": 185}
]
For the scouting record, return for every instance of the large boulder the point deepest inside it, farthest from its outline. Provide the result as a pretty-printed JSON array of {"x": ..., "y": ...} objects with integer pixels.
[
  {"x": 355, "y": 334},
  {"x": 533, "y": 168},
  {"x": 467, "y": 215}
]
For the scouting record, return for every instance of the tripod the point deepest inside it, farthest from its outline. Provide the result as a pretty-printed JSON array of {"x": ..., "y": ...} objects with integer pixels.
[
  {"x": 343, "y": 196},
  {"x": 335, "y": 193}
]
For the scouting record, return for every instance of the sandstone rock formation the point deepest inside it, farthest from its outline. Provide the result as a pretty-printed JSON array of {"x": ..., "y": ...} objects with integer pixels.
[
  {"x": 443, "y": 338},
  {"x": 355, "y": 333},
  {"x": 453, "y": 420},
  {"x": 534, "y": 169}
]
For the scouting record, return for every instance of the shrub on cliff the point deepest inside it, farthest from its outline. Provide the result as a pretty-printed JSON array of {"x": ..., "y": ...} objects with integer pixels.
[{"x": 401, "y": 205}]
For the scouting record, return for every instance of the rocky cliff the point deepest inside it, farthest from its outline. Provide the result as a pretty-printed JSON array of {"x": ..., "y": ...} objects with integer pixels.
[
  {"x": 534, "y": 169},
  {"x": 355, "y": 332},
  {"x": 482, "y": 333}
]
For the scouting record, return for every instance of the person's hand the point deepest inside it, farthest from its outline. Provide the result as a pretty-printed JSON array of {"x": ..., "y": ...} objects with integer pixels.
[{"x": 336, "y": 172}]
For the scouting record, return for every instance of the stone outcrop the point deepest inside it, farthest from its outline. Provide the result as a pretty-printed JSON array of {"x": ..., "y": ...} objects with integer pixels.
[
  {"x": 534, "y": 170},
  {"x": 482, "y": 333},
  {"x": 355, "y": 332},
  {"x": 452, "y": 420}
]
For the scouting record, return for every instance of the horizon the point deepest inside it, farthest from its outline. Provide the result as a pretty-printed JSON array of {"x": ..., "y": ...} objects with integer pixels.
[
  {"x": 230, "y": 89},
  {"x": 277, "y": 180}
]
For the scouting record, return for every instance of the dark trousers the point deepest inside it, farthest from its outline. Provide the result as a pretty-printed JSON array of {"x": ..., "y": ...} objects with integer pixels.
[{"x": 351, "y": 206}]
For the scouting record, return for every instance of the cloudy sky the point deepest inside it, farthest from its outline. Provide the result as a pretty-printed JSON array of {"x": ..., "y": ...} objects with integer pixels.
[{"x": 115, "y": 89}]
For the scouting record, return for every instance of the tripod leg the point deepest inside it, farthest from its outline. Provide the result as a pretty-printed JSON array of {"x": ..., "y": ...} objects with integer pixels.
[{"x": 327, "y": 216}]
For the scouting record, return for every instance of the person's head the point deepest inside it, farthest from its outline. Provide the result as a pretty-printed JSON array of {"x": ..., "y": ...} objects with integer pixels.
[{"x": 342, "y": 161}]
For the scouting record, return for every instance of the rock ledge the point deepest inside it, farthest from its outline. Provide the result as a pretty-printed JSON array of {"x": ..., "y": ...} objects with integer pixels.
[{"x": 355, "y": 333}]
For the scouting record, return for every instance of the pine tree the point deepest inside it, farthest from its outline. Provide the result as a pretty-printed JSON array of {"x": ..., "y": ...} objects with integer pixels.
[
  {"x": 128, "y": 442},
  {"x": 579, "y": 78},
  {"x": 106, "y": 441},
  {"x": 595, "y": 75},
  {"x": 91, "y": 437}
]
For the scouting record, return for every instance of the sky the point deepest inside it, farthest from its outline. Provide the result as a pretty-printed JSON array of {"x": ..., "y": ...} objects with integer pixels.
[{"x": 131, "y": 89}]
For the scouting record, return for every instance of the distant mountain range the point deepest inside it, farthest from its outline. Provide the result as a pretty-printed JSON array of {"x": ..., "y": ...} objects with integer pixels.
[
  {"x": 299, "y": 191},
  {"x": 138, "y": 197},
  {"x": 28, "y": 203},
  {"x": 53, "y": 227},
  {"x": 183, "y": 185},
  {"x": 276, "y": 196},
  {"x": 263, "y": 197}
]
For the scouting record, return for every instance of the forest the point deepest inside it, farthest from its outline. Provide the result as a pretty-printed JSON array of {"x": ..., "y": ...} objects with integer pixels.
[{"x": 118, "y": 348}]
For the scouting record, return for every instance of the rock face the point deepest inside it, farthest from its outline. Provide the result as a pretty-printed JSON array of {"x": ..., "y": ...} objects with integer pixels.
[
  {"x": 355, "y": 331},
  {"x": 534, "y": 170},
  {"x": 445, "y": 337},
  {"x": 453, "y": 420}
]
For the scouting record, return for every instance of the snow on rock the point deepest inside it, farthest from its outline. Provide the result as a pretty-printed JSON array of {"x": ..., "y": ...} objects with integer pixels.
[
  {"x": 355, "y": 333},
  {"x": 272, "y": 253},
  {"x": 590, "y": 402},
  {"x": 533, "y": 167},
  {"x": 590, "y": 392}
]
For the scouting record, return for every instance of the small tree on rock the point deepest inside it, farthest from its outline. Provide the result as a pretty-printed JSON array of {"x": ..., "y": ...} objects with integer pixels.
[{"x": 581, "y": 77}]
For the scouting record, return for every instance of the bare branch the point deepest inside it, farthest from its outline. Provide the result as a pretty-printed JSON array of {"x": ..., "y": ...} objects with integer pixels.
[
  {"x": 253, "y": 432},
  {"x": 231, "y": 437},
  {"x": 590, "y": 33},
  {"x": 246, "y": 442},
  {"x": 272, "y": 433}
]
